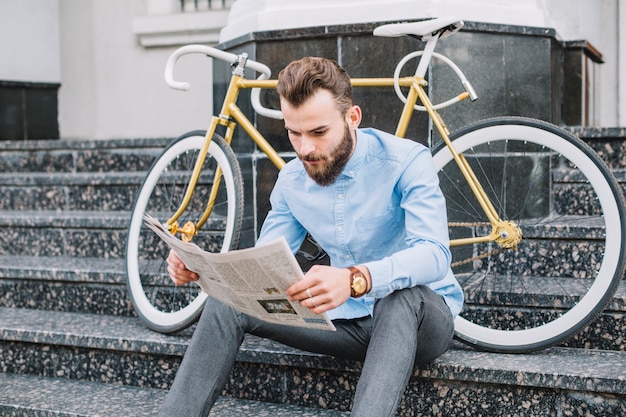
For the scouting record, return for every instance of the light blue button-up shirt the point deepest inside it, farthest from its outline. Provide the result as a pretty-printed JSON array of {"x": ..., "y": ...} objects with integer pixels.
[{"x": 385, "y": 211}]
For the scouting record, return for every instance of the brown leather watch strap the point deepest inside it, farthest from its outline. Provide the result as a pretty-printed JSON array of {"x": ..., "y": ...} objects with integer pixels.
[{"x": 358, "y": 282}]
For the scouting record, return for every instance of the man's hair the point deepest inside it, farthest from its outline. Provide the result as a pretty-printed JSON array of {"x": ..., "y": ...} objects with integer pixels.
[{"x": 301, "y": 79}]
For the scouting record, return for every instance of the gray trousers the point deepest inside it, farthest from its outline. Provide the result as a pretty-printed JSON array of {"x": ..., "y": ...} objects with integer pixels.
[{"x": 409, "y": 327}]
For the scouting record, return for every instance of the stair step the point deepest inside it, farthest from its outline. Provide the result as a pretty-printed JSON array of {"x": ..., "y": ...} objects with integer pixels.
[
  {"x": 49, "y": 156},
  {"x": 85, "y": 285},
  {"x": 70, "y": 233},
  {"x": 98, "y": 286},
  {"x": 69, "y": 191},
  {"x": 609, "y": 143},
  {"x": 72, "y": 219},
  {"x": 119, "y": 350},
  {"x": 25, "y": 395},
  {"x": 64, "y": 233},
  {"x": 63, "y": 269},
  {"x": 74, "y": 175}
]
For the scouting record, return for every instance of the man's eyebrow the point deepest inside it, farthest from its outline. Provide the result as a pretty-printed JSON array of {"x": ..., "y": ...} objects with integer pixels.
[{"x": 322, "y": 127}]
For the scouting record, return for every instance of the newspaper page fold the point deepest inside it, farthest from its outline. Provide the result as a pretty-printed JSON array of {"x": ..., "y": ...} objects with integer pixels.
[{"x": 251, "y": 280}]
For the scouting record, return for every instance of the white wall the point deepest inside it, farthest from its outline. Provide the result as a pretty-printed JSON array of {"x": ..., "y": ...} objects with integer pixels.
[
  {"x": 29, "y": 41},
  {"x": 113, "y": 87},
  {"x": 621, "y": 64},
  {"x": 599, "y": 23}
]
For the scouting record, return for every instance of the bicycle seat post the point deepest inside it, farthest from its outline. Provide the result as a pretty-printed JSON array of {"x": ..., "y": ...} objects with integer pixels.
[{"x": 426, "y": 56}]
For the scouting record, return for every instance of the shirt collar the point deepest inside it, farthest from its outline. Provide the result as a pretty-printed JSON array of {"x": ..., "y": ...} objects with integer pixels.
[{"x": 358, "y": 157}]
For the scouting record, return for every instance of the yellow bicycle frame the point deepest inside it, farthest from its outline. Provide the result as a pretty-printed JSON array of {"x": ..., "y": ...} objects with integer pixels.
[{"x": 505, "y": 233}]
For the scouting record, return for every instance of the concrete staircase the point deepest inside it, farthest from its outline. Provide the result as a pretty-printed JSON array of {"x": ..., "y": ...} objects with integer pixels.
[{"x": 71, "y": 345}]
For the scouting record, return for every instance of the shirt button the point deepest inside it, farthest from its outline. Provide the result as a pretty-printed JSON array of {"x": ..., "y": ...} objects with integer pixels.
[
  {"x": 340, "y": 196},
  {"x": 348, "y": 257},
  {"x": 340, "y": 228}
]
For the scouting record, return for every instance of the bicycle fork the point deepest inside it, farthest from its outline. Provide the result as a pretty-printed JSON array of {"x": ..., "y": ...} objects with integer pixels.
[
  {"x": 228, "y": 117},
  {"x": 188, "y": 230}
]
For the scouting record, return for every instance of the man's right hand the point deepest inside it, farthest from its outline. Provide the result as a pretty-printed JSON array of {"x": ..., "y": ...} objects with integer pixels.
[{"x": 178, "y": 271}]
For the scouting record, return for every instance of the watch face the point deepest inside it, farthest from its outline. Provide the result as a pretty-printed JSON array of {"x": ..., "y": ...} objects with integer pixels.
[{"x": 359, "y": 285}]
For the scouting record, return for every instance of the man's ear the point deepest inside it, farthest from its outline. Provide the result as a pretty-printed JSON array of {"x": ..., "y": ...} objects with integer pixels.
[{"x": 354, "y": 116}]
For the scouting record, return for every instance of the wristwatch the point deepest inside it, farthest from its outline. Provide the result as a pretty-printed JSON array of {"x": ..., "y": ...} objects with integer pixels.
[{"x": 358, "y": 283}]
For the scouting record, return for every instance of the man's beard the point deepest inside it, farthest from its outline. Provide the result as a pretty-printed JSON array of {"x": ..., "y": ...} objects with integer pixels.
[{"x": 327, "y": 173}]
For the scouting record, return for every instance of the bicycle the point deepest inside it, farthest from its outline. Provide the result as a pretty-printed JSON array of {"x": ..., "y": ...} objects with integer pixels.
[{"x": 536, "y": 218}]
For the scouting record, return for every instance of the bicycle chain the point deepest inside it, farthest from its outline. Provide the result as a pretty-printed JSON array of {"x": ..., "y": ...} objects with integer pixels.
[
  {"x": 468, "y": 224},
  {"x": 474, "y": 258}
]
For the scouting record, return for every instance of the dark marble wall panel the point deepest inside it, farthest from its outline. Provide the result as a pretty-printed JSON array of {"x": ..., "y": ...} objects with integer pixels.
[
  {"x": 515, "y": 71},
  {"x": 12, "y": 115},
  {"x": 511, "y": 75},
  {"x": 527, "y": 65},
  {"x": 480, "y": 57},
  {"x": 277, "y": 55},
  {"x": 28, "y": 110},
  {"x": 249, "y": 172},
  {"x": 572, "y": 92},
  {"x": 366, "y": 56},
  {"x": 42, "y": 113}
]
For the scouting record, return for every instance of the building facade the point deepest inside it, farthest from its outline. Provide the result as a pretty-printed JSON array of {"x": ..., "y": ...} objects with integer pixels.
[{"x": 76, "y": 69}]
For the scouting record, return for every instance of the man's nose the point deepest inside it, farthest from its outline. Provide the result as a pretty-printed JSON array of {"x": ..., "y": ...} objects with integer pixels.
[{"x": 307, "y": 145}]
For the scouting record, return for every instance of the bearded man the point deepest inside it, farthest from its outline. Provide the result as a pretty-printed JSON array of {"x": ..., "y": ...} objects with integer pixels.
[{"x": 373, "y": 203}]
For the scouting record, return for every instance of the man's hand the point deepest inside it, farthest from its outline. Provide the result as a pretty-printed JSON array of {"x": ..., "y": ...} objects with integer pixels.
[
  {"x": 323, "y": 288},
  {"x": 178, "y": 271}
]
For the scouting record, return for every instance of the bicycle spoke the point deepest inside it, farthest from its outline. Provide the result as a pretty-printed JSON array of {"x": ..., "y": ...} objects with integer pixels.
[{"x": 562, "y": 272}]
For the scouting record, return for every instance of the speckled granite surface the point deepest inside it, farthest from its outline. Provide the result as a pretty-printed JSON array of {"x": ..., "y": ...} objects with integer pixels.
[
  {"x": 79, "y": 155},
  {"x": 56, "y": 398},
  {"x": 120, "y": 350},
  {"x": 95, "y": 285},
  {"x": 564, "y": 368},
  {"x": 68, "y": 233},
  {"x": 73, "y": 261},
  {"x": 609, "y": 143}
]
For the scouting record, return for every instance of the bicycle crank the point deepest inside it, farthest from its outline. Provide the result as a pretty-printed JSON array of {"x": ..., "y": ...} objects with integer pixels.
[
  {"x": 187, "y": 232},
  {"x": 509, "y": 235}
]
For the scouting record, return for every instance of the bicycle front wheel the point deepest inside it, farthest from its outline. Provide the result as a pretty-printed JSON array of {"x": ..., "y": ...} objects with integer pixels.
[
  {"x": 163, "y": 306},
  {"x": 570, "y": 211}
]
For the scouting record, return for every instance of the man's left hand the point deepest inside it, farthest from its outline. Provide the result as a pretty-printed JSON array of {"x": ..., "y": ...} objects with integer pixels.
[{"x": 322, "y": 288}]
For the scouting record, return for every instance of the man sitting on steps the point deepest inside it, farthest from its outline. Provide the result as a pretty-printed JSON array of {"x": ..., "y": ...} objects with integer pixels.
[{"x": 373, "y": 202}]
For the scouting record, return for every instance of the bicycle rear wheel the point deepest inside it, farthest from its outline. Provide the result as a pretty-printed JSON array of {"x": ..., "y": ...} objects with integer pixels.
[
  {"x": 163, "y": 306},
  {"x": 570, "y": 211}
]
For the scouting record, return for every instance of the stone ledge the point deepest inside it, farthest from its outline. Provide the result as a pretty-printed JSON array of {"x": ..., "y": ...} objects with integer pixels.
[
  {"x": 69, "y": 219},
  {"x": 22, "y": 395},
  {"x": 599, "y": 132},
  {"x": 63, "y": 269},
  {"x": 45, "y": 144},
  {"x": 556, "y": 368}
]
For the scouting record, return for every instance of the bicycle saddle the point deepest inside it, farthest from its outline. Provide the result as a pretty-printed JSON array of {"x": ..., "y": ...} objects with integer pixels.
[{"x": 424, "y": 30}]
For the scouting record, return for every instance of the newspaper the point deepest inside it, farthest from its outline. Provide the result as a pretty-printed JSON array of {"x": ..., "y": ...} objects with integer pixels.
[{"x": 251, "y": 280}]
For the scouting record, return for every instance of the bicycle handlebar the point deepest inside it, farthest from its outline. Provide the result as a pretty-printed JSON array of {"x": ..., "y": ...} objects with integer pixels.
[
  {"x": 266, "y": 74},
  {"x": 231, "y": 59},
  {"x": 213, "y": 53}
]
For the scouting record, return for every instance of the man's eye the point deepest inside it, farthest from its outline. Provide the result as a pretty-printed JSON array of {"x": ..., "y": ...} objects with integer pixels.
[{"x": 320, "y": 132}]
